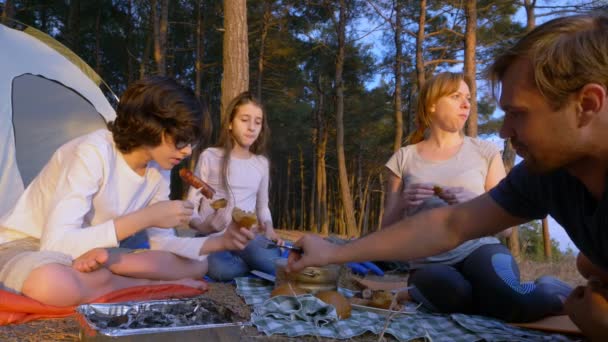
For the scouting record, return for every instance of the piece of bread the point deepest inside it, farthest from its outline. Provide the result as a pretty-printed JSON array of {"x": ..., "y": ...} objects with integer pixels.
[
  {"x": 244, "y": 218},
  {"x": 381, "y": 299},
  {"x": 437, "y": 190},
  {"x": 287, "y": 289},
  {"x": 219, "y": 204},
  {"x": 338, "y": 301}
]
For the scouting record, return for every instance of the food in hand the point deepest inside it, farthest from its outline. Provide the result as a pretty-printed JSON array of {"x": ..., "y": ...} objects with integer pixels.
[
  {"x": 381, "y": 299},
  {"x": 244, "y": 218},
  {"x": 336, "y": 300},
  {"x": 287, "y": 289},
  {"x": 437, "y": 190},
  {"x": 219, "y": 204},
  {"x": 197, "y": 183}
]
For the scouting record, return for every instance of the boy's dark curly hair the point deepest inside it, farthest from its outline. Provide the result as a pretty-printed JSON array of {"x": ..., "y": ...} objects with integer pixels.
[{"x": 155, "y": 106}]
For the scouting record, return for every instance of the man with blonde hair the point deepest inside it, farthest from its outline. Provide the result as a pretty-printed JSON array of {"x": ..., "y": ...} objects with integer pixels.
[{"x": 554, "y": 91}]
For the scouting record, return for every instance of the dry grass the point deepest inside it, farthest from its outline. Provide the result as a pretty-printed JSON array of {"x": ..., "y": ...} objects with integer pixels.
[
  {"x": 565, "y": 270},
  {"x": 66, "y": 329}
]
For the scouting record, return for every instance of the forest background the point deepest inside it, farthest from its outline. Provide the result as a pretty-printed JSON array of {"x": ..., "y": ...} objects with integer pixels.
[{"x": 337, "y": 104}]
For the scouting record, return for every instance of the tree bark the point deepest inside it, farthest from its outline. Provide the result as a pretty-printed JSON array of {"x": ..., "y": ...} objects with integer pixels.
[
  {"x": 8, "y": 11},
  {"x": 508, "y": 157},
  {"x": 470, "y": 70},
  {"x": 320, "y": 206},
  {"x": 420, "y": 75},
  {"x": 98, "y": 42},
  {"x": 397, "y": 71},
  {"x": 302, "y": 223},
  {"x": 161, "y": 23},
  {"x": 73, "y": 34},
  {"x": 265, "y": 26},
  {"x": 198, "y": 62},
  {"x": 347, "y": 201},
  {"x": 128, "y": 39},
  {"x": 235, "y": 78}
]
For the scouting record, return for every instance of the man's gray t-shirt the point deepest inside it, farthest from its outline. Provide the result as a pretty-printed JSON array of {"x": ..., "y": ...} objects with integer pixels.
[{"x": 467, "y": 169}]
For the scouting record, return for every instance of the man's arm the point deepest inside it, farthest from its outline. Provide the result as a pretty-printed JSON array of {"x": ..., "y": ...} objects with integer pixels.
[{"x": 425, "y": 234}]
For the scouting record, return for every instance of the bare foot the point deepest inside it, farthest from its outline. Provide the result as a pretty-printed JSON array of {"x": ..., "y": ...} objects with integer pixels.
[
  {"x": 197, "y": 284},
  {"x": 91, "y": 260}
]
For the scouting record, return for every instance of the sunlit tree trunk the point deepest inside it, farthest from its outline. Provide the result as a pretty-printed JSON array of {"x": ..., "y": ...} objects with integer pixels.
[
  {"x": 347, "y": 201},
  {"x": 398, "y": 71},
  {"x": 470, "y": 70},
  {"x": 198, "y": 60},
  {"x": 8, "y": 11},
  {"x": 508, "y": 158},
  {"x": 302, "y": 223},
  {"x": 128, "y": 39},
  {"x": 161, "y": 23},
  {"x": 420, "y": 75},
  {"x": 529, "y": 5},
  {"x": 265, "y": 25},
  {"x": 235, "y": 77},
  {"x": 73, "y": 29},
  {"x": 98, "y": 42}
]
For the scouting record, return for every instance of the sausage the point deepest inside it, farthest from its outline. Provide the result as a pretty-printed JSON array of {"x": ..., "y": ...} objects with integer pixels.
[{"x": 197, "y": 183}]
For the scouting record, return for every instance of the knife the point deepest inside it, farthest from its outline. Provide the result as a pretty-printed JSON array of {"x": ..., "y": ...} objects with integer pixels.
[{"x": 264, "y": 275}]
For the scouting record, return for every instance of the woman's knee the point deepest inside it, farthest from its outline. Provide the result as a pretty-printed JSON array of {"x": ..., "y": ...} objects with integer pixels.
[
  {"x": 54, "y": 284},
  {"x": 441, "y": 288}
]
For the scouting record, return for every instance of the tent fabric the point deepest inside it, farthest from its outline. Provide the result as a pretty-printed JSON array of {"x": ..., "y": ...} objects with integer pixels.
[
  {"x": 25, "y": 54},
  {"x": 18, "y": 309}
]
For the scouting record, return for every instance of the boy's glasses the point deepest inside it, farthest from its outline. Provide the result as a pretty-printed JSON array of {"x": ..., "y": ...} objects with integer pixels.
[{"x": 183, "y": 145}]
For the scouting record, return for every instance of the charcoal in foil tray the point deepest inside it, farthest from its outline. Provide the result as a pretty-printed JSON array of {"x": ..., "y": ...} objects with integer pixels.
[{"x": 158, "y": 314}]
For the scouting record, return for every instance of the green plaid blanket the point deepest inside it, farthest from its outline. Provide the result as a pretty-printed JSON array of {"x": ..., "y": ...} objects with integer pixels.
[{"x": 307, "y": 315}]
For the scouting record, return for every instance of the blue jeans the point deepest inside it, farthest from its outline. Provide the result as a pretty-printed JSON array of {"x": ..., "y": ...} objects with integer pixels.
[{"x": 227, "y": 265}]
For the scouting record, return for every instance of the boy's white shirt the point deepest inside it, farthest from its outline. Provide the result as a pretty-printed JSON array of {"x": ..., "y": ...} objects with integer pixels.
[
  {"x": 248, "y": 180},
  {"x": 72, "y": 204}
]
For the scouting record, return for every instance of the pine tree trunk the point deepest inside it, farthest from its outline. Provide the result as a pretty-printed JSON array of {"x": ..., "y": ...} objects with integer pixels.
[
  {"x": 287, "y": 192},
  {"x": 160, "y": 35},
  {"x": 381, "y": 206},
  {"x": 420, "y": 75},
  {"x": 98, "y": 43},
  {"x": 198, "y": 62},
  {"x": 302, "y": 223},
  {"x": 397, "y": 71},
  {"x": 546, "y": 239},
  {"x": 235, "y": 77},
  {"x": 73, "y": 33},
  {"x": 265, "y": 26},
  {"x": 128, "y": 41},
  {"x": 8, "y": 11},
  {"x": 347, "y": 201},
  {"x": 508, "y": 158},
  {"x": 470, "y": 70}
]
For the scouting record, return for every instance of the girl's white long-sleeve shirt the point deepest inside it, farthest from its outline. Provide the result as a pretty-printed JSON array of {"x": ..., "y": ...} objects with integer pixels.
[
  {"x": 248, "y": 181},
  {"x": 71, "y": 205}
]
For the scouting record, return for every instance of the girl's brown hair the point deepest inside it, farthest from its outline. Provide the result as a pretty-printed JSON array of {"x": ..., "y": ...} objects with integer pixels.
[{"x": 433, "y": 89}]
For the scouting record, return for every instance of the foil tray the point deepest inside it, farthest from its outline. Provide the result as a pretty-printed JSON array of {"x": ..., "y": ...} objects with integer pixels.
[{"x": 192, "y": 319}]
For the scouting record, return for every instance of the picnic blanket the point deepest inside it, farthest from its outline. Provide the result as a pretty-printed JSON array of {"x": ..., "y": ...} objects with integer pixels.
[
  {"x": 17, "y": 309},
  {"x": 279, "y": 315}
]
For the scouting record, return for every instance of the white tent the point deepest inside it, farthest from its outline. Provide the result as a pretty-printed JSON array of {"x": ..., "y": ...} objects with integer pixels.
[{"x": 47, "y": 96}]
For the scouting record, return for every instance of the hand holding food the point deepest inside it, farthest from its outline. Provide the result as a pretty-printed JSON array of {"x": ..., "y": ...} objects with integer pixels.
[
  {"x": 415, "y": 194},
  {"x": 197, "y": 183},
  {"x": 456, "y": 195},
  {"x": 242, "y": 218}
]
